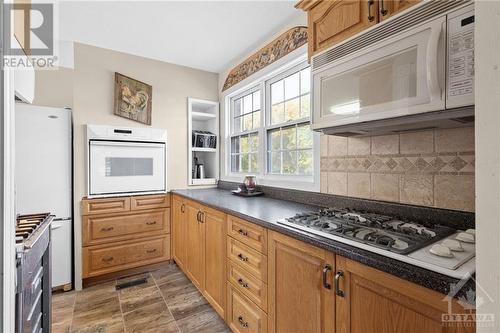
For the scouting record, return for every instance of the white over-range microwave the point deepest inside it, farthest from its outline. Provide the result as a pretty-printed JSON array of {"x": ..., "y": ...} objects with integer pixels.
[
  {"x": 413, "y": 71},
  {"x": 124, "y": 161}
]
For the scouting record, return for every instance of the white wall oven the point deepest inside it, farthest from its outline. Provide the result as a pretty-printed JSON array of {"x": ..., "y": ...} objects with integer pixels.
[
  {"x": 412, "y": 64},
  {"x": 123, "y": 161}
]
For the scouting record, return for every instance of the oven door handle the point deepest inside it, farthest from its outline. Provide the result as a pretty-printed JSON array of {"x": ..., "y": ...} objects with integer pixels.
[{"x": 432, "y": 61}]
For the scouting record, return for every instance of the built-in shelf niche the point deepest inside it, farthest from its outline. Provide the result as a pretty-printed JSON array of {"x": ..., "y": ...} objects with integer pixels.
[{"x": 203, "y": 115}]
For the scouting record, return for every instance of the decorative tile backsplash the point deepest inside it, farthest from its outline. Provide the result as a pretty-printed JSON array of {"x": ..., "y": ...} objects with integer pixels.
[{"x": 432, "y": 168}]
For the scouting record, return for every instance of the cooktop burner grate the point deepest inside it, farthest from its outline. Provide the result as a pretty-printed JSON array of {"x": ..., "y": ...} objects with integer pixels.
[{"x": 377, "y": 230}]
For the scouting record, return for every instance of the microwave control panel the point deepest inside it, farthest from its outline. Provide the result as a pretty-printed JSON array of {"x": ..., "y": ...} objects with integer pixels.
[{"x": 460, "y": 66}]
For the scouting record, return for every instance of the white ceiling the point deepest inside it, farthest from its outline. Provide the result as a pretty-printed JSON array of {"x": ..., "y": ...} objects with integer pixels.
[{"x": 208, "y": 35}]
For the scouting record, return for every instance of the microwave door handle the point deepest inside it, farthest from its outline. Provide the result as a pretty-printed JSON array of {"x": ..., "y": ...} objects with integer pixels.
[{"x": 432, "y": 62}]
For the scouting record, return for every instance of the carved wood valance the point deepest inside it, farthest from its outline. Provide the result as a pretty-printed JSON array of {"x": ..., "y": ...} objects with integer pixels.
[{"x": 278, "y": 48}]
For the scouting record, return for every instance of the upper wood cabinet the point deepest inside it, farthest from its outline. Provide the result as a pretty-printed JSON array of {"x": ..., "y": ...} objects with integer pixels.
[
  {"x": 373, "y": 301},
  {"x": 300, "y": 289},
  {"x": 388, "y": 8},
  {"x": 332, "y": 21}
]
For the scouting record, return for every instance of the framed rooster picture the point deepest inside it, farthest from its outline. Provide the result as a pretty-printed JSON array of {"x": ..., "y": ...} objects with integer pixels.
[{"x": 132, "y": 99}]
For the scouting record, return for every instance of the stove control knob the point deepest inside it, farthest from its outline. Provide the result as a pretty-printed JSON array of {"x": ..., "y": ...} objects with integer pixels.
[
  {"x": 466, "y": 237},
  {"x": 453, "y": 244},
  {"x": 471, "y": 231},
  {"x": 441, "y": 251}
]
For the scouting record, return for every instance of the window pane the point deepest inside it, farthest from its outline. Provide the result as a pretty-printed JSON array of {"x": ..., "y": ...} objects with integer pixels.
[
  {"x": 292, "y": 109},
  {"x": 292, "y": 86},
  {"x": 254, "y": 142},
  {"x": 256, "y": 100},
  {"x": 244, "y": 144},
  {"x": 277, "y": 113},
  {"x": 305, "y": 80},
  {"x": 247, "y": 122},
  {"x": 274, "y": 140},
  {"x": 289, "y": 162},
  {"x": 237, "y": 125},
  {"x": 274, "y": 162},
  {"x": 237, "y": 107},
  {"x": 304, "y": 137},
  {"x": 277, "y": 92},
  {"x": 235, "y": 163},
  {"x": 289, "y": 141},
  {"x": 247, "y": 103},
  {"x": 305, "y": 106},
  {"x": 244, "y": 162},
  {"x": 254, "y": 163},
  {"x": 235, "y": 145},
  {"x": 305, "y": 162},
  {"x": 256, "y": 119}
]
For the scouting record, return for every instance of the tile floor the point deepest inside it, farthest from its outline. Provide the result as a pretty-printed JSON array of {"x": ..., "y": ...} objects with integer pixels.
[{"x": 167, "y": 302}]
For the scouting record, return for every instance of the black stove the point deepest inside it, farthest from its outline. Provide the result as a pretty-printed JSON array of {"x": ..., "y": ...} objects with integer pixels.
[{"x": 377, "y": 230}]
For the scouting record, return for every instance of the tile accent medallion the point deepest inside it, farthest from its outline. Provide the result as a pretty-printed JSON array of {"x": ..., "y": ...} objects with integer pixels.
[{"x": 429, "y": 168}]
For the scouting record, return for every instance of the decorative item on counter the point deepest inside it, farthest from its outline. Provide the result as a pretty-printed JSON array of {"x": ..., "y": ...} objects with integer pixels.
[
  {"x": 250, "y": 183},
  {"x": 132, "y": 99},
  {"x": 247, "y": 188}
]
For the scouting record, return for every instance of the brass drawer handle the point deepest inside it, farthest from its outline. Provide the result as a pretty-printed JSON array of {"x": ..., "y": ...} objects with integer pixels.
[
  {"x": 151, "y": 223},
  {"x": 243, "y": 232},
  {"x": 151, "y": 251},
  {"x": 107, "y": 229},
  {"x": 242, "y": 283},
  {"x": 107, "y": 259},
  {"x": 242, "y": 257},
  {"x": 242, "y": 322}
]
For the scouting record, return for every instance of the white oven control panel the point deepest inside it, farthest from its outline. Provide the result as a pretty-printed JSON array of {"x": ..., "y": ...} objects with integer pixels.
[{"x": 460, "y": 62}]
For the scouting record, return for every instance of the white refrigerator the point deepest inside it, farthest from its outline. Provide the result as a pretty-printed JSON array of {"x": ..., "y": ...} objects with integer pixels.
[{"x": 43, "y": 176}]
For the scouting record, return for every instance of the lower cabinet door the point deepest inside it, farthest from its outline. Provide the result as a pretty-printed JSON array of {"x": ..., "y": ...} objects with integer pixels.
[
  {"x": 373, "y": 301},
  {"x": 179, "y": 231},
  {"x": 300, "y": 287},
  {"x": 195, "y": 246},
  {"x": 243, "y": 315},
  {"x": 215, "y": 262}
]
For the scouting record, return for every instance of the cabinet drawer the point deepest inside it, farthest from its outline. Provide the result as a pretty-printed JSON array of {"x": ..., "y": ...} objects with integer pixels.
[
  {"x": 244, "y": 316},
  {"x": 248, "y": 233},
  {"x": 105, "y": 205},
  {"x": 252, "y": 261},
  {"x": 248, "y": 285},
  {"x": 103, "y": 229},
  {"x": 150, "y": 202},
  {"x": 102, "y": 259}
]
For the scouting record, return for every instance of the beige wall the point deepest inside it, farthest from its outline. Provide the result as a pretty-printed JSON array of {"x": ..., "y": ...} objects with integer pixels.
[
  {"x": 90, "y": 89},
  {"x": 54, "y": 88},
  {"x": 429, "y": 168}
]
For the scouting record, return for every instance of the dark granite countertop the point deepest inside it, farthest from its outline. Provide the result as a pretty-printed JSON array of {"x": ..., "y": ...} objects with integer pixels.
[{"x": 267, "y": 211}]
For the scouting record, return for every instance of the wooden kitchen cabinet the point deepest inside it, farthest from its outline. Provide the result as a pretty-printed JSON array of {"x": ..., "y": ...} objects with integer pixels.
[
  {"x": 215, "y": 263},
  {"x": 179, "y": 232},
  {"x": 374, "y": 301},
  {"x": 300, "y": 288},
  {"x": 195, "y": 242},
  {"x": 388, "y": 8},
  {"x": 199, "y": 248},
  {"x": 332, "y": 21}
]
